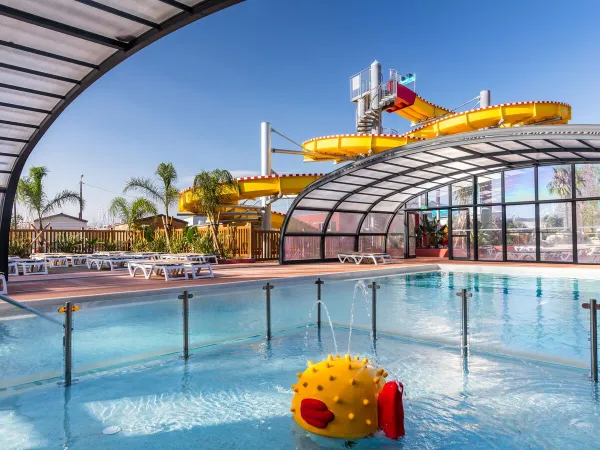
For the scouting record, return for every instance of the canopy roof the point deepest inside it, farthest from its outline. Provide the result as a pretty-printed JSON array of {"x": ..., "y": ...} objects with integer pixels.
[
  {"x": 384, "y": 183},
  {"x": 52, "y": 50}
]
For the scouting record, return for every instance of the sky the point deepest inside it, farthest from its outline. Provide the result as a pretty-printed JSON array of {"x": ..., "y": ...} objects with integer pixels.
[{"x": 196, "y": 97}]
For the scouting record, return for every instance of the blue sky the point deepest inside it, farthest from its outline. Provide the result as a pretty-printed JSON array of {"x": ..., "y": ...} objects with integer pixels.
[{"x": 197, "y": 97}]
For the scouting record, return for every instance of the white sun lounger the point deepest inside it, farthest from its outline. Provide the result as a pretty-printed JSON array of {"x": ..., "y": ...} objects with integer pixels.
[
  {"x": 358, "y": 257},
  {"x": 4, "y": 287},
  {"x": 111, "y": 262},
  {"x": 200, "y": 257},
  {"x": 32, "y": 266},
  {"x": 171, "y": 270},
  {"x": 13, "y": 268}
]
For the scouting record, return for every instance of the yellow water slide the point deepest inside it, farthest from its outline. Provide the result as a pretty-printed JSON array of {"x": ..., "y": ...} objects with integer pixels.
[
  {"x": 249, "y": 188},
  {"x": 433, "y": 121}
]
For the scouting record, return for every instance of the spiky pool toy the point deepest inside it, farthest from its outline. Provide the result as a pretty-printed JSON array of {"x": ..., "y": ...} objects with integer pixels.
[{"x": 347, "y": 398}]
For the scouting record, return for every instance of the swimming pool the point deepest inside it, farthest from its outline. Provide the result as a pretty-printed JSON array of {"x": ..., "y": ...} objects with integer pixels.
[{"x": 235, "y": 389}]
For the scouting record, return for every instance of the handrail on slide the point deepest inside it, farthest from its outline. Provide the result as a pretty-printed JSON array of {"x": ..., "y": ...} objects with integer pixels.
[{"x": 30, "y": 309}]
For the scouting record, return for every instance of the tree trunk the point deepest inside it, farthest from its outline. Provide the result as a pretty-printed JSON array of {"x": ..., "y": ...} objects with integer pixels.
[{"x": 166, "y": 227}]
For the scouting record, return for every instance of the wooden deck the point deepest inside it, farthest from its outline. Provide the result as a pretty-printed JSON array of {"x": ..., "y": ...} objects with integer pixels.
[{"x": 82, "y": 282}]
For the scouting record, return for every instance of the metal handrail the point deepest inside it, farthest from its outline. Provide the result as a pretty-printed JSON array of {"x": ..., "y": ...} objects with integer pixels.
[{"x": 13, "y": 302}]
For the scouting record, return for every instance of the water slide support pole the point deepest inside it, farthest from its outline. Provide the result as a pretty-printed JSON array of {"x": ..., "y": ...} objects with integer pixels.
[
  {"x": 68, "y": 343},
  {"x": 464, "y": 341},
  {"x": 185, "y": 297},
  {"x": 265, "y": 169},
  {"x": 375, "y": 93},
  {"x": 374, "y": 286},
  {"x": 485, "y": 98}
]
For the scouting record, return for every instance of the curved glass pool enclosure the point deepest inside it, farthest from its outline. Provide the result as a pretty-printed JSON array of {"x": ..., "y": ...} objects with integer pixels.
[{"x": 504, "y": 195}]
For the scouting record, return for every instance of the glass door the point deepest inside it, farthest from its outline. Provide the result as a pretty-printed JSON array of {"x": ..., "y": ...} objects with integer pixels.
[
  {"x": 461, "y": 233},
  {"x": 411, "y": 223}
]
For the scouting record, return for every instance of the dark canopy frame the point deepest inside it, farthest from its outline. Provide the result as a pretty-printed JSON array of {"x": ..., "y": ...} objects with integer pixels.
[
  {"x": 51, "y": 51},
  {"x": 386, "y": 182}
]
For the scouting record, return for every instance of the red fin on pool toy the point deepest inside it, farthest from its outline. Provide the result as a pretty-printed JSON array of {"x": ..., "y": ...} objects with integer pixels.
[{"x": 390, "y": 409}]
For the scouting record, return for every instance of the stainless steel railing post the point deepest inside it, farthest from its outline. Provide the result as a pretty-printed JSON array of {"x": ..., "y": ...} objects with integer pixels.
[
  {"x": 267, "y": 287},
  {"x": 464, "y": 340},
  {"x": 68, "y": 342},
  {"x": 374, "y": 286},
  {"x": 185, "y": 297},
  {"x": 593, "y": 307},
  {"x": 319, "y": 283}
]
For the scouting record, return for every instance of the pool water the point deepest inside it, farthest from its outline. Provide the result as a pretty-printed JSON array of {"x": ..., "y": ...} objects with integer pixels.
[
  {"x": 533, "y": 317},
  {"x": 237, "y": 396},
  {"x": 525, "y": 383}
]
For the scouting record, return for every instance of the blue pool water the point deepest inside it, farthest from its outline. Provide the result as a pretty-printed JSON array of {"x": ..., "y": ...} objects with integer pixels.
[
  {"x": 235, "y": 393},
  {"x": 237, "y": 396}
]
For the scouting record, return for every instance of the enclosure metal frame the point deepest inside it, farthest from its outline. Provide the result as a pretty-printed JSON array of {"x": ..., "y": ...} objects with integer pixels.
[
  {"x": 577, "y": 134},
  {"x": 124, "y": 49}
]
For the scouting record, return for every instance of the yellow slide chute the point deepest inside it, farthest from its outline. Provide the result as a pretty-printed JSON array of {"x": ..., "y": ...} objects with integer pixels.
[
  {"x": 249, "y": 188},
  {"x": 435, "y": 122}
]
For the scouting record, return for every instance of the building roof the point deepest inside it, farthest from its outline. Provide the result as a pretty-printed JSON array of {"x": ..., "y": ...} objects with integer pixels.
[
  {"x": 384, "y": 183},
  {"x": 61, "y": 215}
]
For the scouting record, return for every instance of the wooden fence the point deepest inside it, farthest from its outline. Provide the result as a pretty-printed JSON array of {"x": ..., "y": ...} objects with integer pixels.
[{"x": 239, "y": 242}]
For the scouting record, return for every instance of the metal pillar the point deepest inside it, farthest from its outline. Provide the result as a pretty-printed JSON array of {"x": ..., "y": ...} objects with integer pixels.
[
  {"x": 265, "y": 169},
  {"x": 464, "y": 341},
  {"x": 485, "y": 98},
  {"x": 267, "y": 287},
  {"x": 319, "y": 283},
  {"x": 185, "y": 297},
  {"x": 374, "y": 286},
  {"x": 593, "y": 306},
  {"x": 376, "y": 93},
  {"x": 68, "y": 342}
]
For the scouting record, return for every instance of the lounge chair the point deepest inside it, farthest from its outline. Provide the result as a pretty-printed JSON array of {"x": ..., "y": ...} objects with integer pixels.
[
  {"x": 171, "y": 270},
  {"x": 200, "y": 257},
  {"x": 4, "y": 287},
  {"x": 52, "y": 259},
  {"x": 114, "y": 262},
  {"x": 358, "y": 257},
  {"x": 31, "y": 266}
]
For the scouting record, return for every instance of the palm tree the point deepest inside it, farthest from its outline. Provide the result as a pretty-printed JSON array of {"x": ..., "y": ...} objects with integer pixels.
[
  {"x": 162, "y": 191},
  {"x": 211, "y": 188},
  {"x": 30, "y": 192},
  {"x": 130, "y": 212}
]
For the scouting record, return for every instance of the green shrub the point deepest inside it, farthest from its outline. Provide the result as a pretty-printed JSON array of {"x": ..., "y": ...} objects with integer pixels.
[
  {"x": 20, "y": 248},
  {"x": 190, "y": 234},
  {"x": 67, "y": 244},
  {"x": 109, "y": 246},
  {"x": 204, "y": 244},
  {"x": 140, "y": 245},
  {"x": 158, "y": 245}
]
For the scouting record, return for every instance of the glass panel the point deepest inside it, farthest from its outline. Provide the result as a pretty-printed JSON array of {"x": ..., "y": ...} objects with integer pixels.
[
  {"x": 462, "y": 233},
  {"x": 587, "y": 179},
  {"x": 375, "y": 223},
  {"x": 554, "y": 182},
  {"x": 462, "y": 193},
  {"x": 489, "y": 233},
  {"x": 588, "y": 232},
  {"x": 306, "y": 221},
  {"x": 395, "y": 237},
  {"x": 302, "y": 247},
  {"x": 363, "y": 198},
  {"x": 412, "y": 236},
  {"x": 344, "y": 222},
  {"x": 417, "y": 202},
  {"x": 386, "y": 206},
  {"x": 326, "y": 195},
  {"x": 310, "y": 203},
  {"x": 438, "y": 197},
  {"x": 520, "y": 232},
  {"x": 489, "y": 188},
  {"x": 350, "y": 206},
  {"x": 338, "y": 244},
  {"x": 556, "y": 232},
  {"x": 519, "y": 185},
  {"x": 371, "y": 244}
]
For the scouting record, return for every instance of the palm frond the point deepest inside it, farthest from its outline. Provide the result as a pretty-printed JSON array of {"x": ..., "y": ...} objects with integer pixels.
[
  {"x": 144, "y": 186},
  {"x": 62, "y": 198}
]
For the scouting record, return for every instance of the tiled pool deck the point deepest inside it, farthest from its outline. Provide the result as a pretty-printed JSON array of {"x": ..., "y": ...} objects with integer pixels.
[{"x": 62, "y": 283}]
